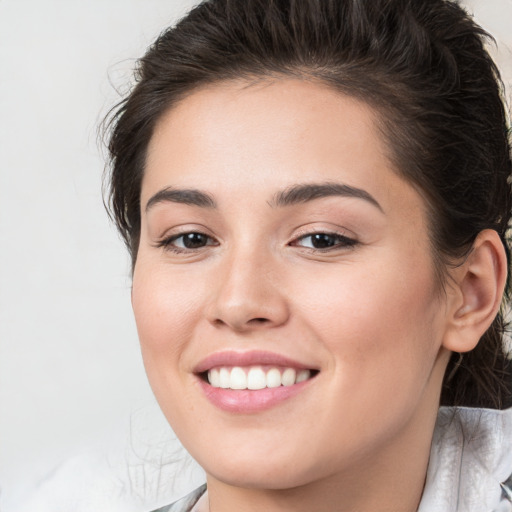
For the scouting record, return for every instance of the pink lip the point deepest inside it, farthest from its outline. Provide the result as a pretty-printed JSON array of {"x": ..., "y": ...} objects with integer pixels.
[
  {"x": 251, "y": 358},
  {"x": 249, "y": 401}
]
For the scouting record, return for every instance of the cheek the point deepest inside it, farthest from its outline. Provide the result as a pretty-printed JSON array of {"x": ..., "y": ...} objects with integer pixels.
[
  {"x": 380, "y": 320},
  {"x": 163, "y": 303},
  {"x": 381, "y": 329},
  {"x": 164, "y": 314}
]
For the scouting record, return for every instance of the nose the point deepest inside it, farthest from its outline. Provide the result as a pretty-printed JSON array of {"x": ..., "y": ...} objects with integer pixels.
[{"x": 248, "y": 295}]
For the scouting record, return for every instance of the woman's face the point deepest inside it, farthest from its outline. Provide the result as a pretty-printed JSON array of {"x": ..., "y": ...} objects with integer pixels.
[{"x": 280, "y": 251}]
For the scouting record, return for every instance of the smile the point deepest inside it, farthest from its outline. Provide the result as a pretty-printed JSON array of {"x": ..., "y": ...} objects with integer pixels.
[
  {"x": 255, "y": 377},
  {"x": 250, "y": 382}
]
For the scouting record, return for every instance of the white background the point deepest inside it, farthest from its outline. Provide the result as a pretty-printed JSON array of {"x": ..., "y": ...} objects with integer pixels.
[{"x": 69, "y": 360}]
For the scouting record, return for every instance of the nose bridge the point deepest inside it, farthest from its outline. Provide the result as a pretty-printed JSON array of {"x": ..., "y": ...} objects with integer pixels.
[{"x": 248, "y": 294}]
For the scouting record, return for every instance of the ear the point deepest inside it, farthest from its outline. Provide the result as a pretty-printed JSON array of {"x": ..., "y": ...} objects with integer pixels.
[{"x": 475, "y": 296}]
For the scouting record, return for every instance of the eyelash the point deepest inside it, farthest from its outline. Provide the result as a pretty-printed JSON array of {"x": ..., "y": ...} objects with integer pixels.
[
  {"x": 168, "y": 243},
  {"x": 340, "y": 242}
]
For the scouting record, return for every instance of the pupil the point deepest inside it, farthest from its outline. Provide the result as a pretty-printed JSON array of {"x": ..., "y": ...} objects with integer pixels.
[
  {"x": 321, "y": 241},
  {"x": 194, "y": 240}
]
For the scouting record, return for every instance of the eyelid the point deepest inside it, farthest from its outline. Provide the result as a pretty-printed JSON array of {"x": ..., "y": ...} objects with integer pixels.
[
  {"x": 333, "y": 230},
  {"x": 166, "y": 240},
  {"x": 183, "y": 229},
  {"x": 349, "y": 239}
]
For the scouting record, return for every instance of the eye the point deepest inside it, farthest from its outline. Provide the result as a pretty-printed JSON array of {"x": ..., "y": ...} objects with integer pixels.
[
  {"x": 185, "y": 242},
  {"x": 324, "y": 241}
]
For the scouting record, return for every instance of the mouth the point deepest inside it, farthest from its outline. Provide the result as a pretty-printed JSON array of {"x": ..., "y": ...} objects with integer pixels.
[
  {"x": 255, "y": 377},
  {"x": 249, "y": 382}
]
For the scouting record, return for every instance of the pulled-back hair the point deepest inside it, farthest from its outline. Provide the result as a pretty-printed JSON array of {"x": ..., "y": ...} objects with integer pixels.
[{"x": 420, "y": 64}]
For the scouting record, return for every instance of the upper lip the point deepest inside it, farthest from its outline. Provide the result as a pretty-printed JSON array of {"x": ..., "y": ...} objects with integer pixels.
[{"x": 248, "y": 358}]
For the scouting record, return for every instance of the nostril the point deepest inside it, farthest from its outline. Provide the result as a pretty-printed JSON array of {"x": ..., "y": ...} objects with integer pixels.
[
  {"x": 259, "y": 320},
  {"x": 242, "y": 325}
]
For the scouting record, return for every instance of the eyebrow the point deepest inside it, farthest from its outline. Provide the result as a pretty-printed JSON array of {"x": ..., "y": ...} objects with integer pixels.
[
  {"x": 310, "y": 191},
  {"x": 190, "y": 197},
  {"x": 296, "y": 194}
]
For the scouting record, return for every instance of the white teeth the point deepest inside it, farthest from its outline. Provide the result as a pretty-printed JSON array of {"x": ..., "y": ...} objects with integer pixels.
[
  {"x": 255, "y": 377},
  {"x": 214, "y": 378},
  {"x": 302, "y": 376},
  {"x": 224, "y": 378},
  {"x": 238, "y": 378},
  {"x": 273, "y": 378},
  {"x": 288, "y": 377}
]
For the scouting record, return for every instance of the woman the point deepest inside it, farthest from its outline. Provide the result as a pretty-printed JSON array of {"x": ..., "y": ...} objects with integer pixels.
[{"x": 315, "y": 196}]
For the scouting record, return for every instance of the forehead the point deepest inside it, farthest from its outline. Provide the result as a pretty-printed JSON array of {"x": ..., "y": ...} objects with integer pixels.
[{"x": 236, "y": 138}]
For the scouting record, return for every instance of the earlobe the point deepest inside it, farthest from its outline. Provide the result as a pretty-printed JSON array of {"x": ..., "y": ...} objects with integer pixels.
[{"x": 478, "y": 284}]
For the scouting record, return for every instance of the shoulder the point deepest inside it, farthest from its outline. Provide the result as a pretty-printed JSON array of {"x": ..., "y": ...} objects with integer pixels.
[
  {"x": 470, "y": 467},
  {"x": 186, "y": 503}
]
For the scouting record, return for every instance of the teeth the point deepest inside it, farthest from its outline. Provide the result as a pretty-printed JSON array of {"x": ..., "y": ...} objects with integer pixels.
[
  {"x": 273, "y": 378},
  {"x": 303, "y": 375},
  {"x": 214, "y": 378},
  {"x": 238, "y": 379},
  {"x": 255, "y": 377},
  {"x": 288, "y": 377},
  {"x": 224, "y": 378}
]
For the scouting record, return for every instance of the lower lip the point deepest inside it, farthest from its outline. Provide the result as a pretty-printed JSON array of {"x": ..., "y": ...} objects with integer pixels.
[{"x": 250, "y": 401}]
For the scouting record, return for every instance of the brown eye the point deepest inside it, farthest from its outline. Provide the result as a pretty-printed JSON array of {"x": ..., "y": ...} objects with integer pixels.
[
  {"x": 192, "y": 240},
  {"x": 324, "y": 241},
  {"x": 187, "y": 242}
]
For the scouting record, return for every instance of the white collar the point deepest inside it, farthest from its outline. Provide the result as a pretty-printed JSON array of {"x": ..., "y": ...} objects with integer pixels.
[{"x": 470, "y": 459}]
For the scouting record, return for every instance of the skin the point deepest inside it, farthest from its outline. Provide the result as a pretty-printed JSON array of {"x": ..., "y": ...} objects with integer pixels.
[{"x": 368, "y": 315}]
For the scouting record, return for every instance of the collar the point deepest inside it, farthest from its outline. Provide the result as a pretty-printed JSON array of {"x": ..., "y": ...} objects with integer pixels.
[{"x": 470, "y": 466}]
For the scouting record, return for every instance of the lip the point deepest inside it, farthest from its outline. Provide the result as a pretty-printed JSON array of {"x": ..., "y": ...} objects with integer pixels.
[
  {"x": 249, "y": 358},
  {"x": 249, "y": 401}
]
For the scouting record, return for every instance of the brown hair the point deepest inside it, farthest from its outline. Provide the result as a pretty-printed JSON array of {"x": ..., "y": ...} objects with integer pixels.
[{"x": 422, "y": 65}]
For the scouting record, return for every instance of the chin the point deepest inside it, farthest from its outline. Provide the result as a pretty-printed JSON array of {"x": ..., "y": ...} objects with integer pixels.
[
  {"x": 256, "y": 475},
  {"x": 271, "y": 468}
]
